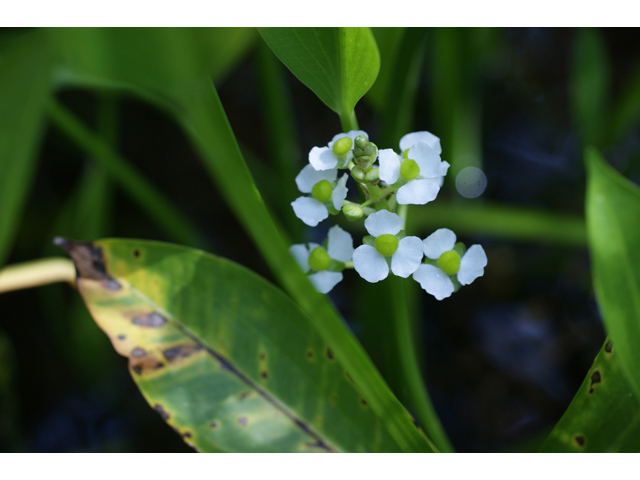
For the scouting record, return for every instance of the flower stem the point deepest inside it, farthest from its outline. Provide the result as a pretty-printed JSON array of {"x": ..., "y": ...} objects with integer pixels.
[
  {"x": 36, "y": 274},
  {"x": 349, "y": 121},
  {"x": 383, "y": 193},
  {"x": 410, "y": 370}
]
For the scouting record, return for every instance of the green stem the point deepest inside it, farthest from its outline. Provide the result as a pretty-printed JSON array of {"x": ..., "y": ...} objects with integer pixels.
[
  {"x": 412, "y": 377},
  {"x": 349, "y": 121},
  {"x": 139, "y": 189},
  {"x": 383, "y": 193}
]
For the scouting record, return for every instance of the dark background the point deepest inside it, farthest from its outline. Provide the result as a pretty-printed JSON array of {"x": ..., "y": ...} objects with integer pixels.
[{"x": 502, "y": 357}]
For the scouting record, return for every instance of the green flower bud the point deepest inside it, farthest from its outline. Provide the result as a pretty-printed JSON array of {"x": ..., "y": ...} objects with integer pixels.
[
  {"x": 361, "y": 142},
  {"x": 449, "y": 262},
  {"x": 321, "y": 191},
  {"x": 319, "y": 259},
  {"x": 372, "y": 175},
  {"x": 342, "y": 146},
  {"x": 409, "y": 170},
  {"x": 386, "y": 244},
  {"x": 405, "y": 154},
  {"x": 352, "y": 212},
  {"x": 358, "y": 174}
]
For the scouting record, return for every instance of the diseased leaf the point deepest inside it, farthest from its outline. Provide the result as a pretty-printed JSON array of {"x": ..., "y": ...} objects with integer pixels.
[
  {"x": 225, "y": 358},
  {"x": 612, "y": 212},
  {"x": 604, "y": 416},
  {"x": 24, "y": 87},
  {"x": 339, "y": 64}
]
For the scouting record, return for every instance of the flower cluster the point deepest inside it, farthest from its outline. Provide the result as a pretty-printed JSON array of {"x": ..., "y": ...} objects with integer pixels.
[{"x": 412, "y": 177}]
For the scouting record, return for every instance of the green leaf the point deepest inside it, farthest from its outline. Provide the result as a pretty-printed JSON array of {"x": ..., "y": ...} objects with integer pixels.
[
  {"x": 24, "y": 87},
  {"x": 339, "y": 64},
  {"x": 161, "y": 59},
  {"x": 612, "y": 211},
  {"x": 228, "y": 360},
  {"x": 604, "y": 416},
  {"x": 590, "y": 74}
]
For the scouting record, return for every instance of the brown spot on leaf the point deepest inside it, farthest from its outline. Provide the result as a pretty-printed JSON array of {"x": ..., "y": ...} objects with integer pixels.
[
  {"x": 243, "y": 395},
  {"x": 163, "y": 413},
  {"x": 262, "y": 356},
  {"x": 88, "y": 258},
  {"x": 181, "y": 351},
  {"x": 329, "y": 353},
  {"x": 111, "y": 284},
  {"x": 608, "y": 347},
  {"x": 242, "y": 421},
  {"x": 153, "y": 319},
  {"x": 596, "y": 378},
  {"x": 136, "y": 253},
  {"x": 310, "y": 354},
  {"x": 121, "y": 337},
  {"x": 264, "y": 375},
  {"x": 579, "y": 440},
  {"x": 214, "y": 424},
  {"x": 363, "y": 402},
  {"x": 333, "y": 399},
  {"x": 144, "y": 362},
  {"x": 138, "y": 352}
]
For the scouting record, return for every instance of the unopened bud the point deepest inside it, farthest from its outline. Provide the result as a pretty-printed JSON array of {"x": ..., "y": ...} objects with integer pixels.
[
  {"x": 372, "y": 175},
  {"x": 352, "y": 212},
  {"x": 358, "y": 174}
]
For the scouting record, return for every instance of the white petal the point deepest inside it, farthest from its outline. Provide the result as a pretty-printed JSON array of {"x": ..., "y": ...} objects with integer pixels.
[
  {"x": 340, "y": 245},
  {"x": 383, "y": 222},
  {"x": 410, "y": 139},
  {"x": 339, "y": 193},
  {"x": 370, "y": 264},
  {"x": 434, "y": 281},
  {"x": 418, "y": 192},
  {"x": 309, "y": 210},
  {"x": 427, "y": 159},
  {"x": 444, "y": 167},
  {"x": 389, "y": 165},
  {"x": 324, "y": 281},
  {"x": 309, "y": 176},
  {"x": 301, "y": 253},
  {"x": 440, "y": 241},
  {"x": 472, "y": 265},
  {"x": 322, "y": 158},
  {"x": 407, "y": 258}
]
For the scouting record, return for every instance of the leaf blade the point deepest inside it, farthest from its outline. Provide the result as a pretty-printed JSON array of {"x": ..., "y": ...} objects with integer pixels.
[
  {"x": 612, "y": 210},
  {"x": 203, "y": 330},
  {"x": 338, "y": 64}
]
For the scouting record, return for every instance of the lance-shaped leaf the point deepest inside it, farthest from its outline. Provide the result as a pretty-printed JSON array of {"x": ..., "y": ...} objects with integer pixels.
[
  {"x": 339, "y": 64},
  {"x": 227, "y": 360},
  {"x": 25, "y": 66},
  {"x": 604, "y": 416},
  {"x": 613, "y": 211}
]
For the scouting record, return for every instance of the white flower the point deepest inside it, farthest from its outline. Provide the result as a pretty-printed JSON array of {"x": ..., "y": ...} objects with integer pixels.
[
  {"x": 404, "y": 254},
  {"x": 326, "y": 158},
  {"x": 324, "y": 190},
  {"x": 439, "y": 246},
  {"x": 410, "y": 139},
  {"x": 421, "y": 169},
  {"x": 339, "y": 247}
]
